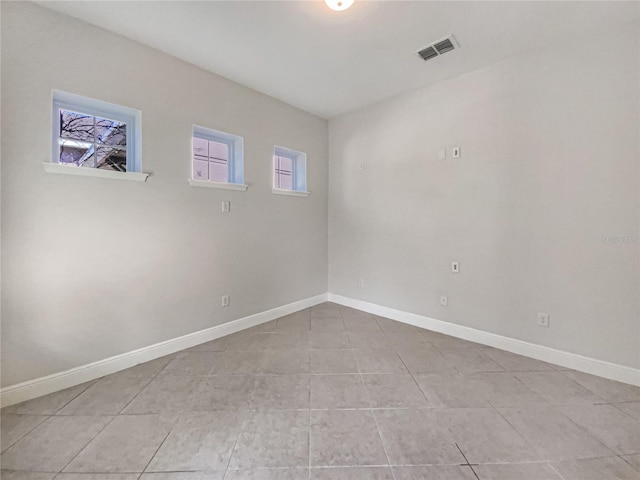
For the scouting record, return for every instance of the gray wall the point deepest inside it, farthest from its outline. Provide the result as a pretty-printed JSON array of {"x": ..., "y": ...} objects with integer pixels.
[
  {"x": 549, "y": 166},
  {"x": 92, "y": 267}
]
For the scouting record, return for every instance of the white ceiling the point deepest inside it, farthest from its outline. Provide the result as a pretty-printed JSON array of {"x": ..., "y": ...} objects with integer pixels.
[{"x": 330, "y": 63}]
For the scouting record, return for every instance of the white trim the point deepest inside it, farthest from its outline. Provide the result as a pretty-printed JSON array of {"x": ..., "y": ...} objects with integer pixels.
[
  {"x": 612, "y": 371},
  {"x": 93, "y": 172},
  {"x": 75, "y": 376},
  {"x": 291, "y": 193},
  {"x": 221, "y": 185}
]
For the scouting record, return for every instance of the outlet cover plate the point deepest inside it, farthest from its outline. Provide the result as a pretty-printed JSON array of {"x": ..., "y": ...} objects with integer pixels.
[{"x": 543, "y": 319}]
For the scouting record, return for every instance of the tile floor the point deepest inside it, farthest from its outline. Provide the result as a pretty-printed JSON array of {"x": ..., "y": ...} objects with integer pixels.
[{"x": 330, "y": 393}]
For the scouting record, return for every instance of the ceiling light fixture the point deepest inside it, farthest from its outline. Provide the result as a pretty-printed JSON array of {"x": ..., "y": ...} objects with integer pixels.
[{"x": 339, "y": 5}]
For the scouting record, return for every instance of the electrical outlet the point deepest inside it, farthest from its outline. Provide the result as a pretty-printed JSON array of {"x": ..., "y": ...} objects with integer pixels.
[
  {"x": 225, "y": 300},
  {"x": 543, "y": 319},
  {"x": 455, "y": 152},
  {"x": 444, "y": 300},
  {"x": 361, "y": 283},
  {"x": 455, "y": 267},
  {"x": 226, "y": 206}
]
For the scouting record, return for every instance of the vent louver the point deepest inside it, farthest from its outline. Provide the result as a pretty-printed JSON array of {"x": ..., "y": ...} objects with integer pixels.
[
  {"x": 437, "y": 48},
  {"x": 428, "y": 53},
  {"x": 444, "y": 46}
]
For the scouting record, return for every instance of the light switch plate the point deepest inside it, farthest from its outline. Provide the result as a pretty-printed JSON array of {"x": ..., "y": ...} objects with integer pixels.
[{"x": 455, "y": 153}]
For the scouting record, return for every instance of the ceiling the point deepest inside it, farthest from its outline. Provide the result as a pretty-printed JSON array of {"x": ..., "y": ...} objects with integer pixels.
[{"x": 330, "y": 63}]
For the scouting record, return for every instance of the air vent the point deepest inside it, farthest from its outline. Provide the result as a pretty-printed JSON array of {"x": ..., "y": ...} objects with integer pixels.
[
  {"x": 444, "y": 46},
  {"x": 428, "y": 53},
  {"x": 438, "y": 48}
]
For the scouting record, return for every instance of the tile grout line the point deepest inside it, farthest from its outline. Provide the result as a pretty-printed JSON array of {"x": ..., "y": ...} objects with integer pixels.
[
  {"x": 614, "y": 405},
  {"x": 533, "y": 448},
  {"x": 626, "y": 461},
  {"x": 235, "y": 444},
  {"x": 136, "y": 395},
  {"x": 47, "y": 417},
  {"x": 466, "y": 460},
  {"x": 555, "y": 470},
  {"x": 515, "y": 375},
  {"x": 585, "y": 430},
  {"x": 384, "y": 448},
  {"x": 152, "y": 378},
  {"x": 144, "y": 470},
  {"x": 424, "y": 395},
  {"x": 474, "y": 472},
  {"x": 565, "y": 374},
  {"x": 87, "y": 444},
  {"x": 79, "y": 393}
]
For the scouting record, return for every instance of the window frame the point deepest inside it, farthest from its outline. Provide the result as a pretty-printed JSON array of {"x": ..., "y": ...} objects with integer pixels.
[
  {"x": 298, "y": 171},
  {"x": 97, "y": 108},
  {"x": 235, "y": 162}
]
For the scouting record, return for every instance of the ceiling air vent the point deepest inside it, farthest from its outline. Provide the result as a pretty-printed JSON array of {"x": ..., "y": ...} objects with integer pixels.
[
  {"x": 427, "y": 53},
  {"x": 444, "y": 46},
  {"x": 437, "y": 48}
]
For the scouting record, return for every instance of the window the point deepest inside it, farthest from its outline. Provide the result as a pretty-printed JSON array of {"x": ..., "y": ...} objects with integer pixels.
[
  {"x": 289, "y": 172},
  {"x": 217, "y": 159},
  {"x": 92, "y": 134}
]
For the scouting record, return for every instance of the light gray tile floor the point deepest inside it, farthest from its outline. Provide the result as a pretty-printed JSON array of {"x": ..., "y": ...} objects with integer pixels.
[{"x": 330, "y": 393}]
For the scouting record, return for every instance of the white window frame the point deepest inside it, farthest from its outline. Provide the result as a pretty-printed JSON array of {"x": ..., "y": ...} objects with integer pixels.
[
  {"x": 235, "y": 163},
  {"x": 298, "y": 172},
  {"x": 97, "y": 108}
]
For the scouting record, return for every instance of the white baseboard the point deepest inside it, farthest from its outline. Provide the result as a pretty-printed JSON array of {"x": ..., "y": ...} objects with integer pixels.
[
  {"x": 593, "y": 366},
  {"x": 75, "y": 376}
]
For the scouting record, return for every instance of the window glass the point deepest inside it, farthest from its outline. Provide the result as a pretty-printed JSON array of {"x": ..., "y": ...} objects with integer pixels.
[
  {"x": 93, "y": 142},
  {"x": 284, "y": 172},
  {"x": 217, "y": 156}
]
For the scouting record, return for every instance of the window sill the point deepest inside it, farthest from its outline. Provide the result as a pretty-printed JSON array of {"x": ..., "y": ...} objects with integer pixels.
[
  {"x": 94, "y": 172},
  {"x": 291, "y": 193},
  {"x": 220, "y": 185}
]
